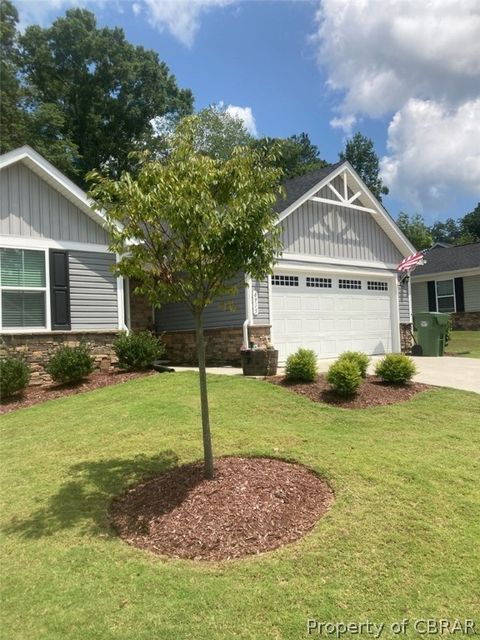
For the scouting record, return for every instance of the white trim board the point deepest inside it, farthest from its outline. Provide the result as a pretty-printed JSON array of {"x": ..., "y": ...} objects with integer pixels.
[
  {"x": 20, "y": 242},
  {"x": 300, "y": 257},
  {"x": 445, "y": 275}
]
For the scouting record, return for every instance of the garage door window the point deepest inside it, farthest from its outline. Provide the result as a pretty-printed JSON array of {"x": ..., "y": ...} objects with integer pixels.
[
  {"x": 373, "y": 285},
  {"x": 445, "y": 296},
  {"x": 323, "y": 283},
  {"x": 285, "y": 281},
  {"x": 349, "y": 284}
]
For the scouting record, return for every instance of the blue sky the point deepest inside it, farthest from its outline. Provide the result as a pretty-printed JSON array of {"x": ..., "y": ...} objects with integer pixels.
[{"x": 329, "y": 68}]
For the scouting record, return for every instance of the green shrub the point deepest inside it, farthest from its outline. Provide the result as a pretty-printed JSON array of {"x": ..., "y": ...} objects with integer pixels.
[
  {"x": 70, "y": 364},
  {"x": 357, "y": 357},
  {"x": 301, "y": 366},
  {"x": 14, "y": 375},
  {"x": 345, "y": 377},
  {"x": 396, "y": 368},
  {"x": 137, "y": 350}
]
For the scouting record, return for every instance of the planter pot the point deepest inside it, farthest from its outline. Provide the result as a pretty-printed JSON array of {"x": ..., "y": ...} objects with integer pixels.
[{"x": 259, "y": 362}]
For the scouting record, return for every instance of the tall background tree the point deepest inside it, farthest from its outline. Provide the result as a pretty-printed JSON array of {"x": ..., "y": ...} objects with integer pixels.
[
  {"x": 88, "y": 95},
  {"x": 186, "y": 227},
  {"x": 415, "y": 230},
  {"x": 360, "y": 152},
  {"x": 295, "y": 155}
]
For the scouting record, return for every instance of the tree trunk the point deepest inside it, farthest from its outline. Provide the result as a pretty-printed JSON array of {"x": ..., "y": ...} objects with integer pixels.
[{"x": 207, "y": 438}]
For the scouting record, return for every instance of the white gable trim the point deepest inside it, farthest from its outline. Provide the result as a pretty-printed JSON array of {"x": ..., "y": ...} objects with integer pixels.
[
  {"x": 378, "y": 212},
  {"x": 54, "y": 178}
]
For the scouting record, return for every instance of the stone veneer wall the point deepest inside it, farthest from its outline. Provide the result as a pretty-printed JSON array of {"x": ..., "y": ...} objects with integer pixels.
[
  {"x": 37, "y": 348},
  {"x": 222, "y": 345},
  {"x": 141, "y": 310},
  {"x": 466, "y": 320},
  {"x": 406, "y": 338}
]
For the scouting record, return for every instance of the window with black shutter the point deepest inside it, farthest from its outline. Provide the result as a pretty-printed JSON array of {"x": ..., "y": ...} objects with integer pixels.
[{"x": 59, "y": 290}]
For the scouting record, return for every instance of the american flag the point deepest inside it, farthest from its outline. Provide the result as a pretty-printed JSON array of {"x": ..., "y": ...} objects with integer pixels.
[{"x": 411, "y": 261}]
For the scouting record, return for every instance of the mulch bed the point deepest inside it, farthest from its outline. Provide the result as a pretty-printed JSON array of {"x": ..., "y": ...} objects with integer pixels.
[
  {"x": 251, "y": 506},
  {"x": 371, "y": 393},
  {"x": 34, "y": 395}
]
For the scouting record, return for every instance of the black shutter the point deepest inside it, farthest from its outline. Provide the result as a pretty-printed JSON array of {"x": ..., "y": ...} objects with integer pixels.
[
  {"x": 459, "y": 296},
  {"x": 432, "y": 296},
  {"x": 59, "y": 290}
]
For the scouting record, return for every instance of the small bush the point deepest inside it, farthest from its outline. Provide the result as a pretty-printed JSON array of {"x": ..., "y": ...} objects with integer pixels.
[
  {"x": 301, "y": 366},
  {"x": 345, "y": 377},
  {"x": 14, "y": 376},
  {"x": 448, "y": 330},
  {"x": 137, "y": 350},
  {"x": 396, "y": 368},
  {"x": 70, "y": 364},
  {"x": 357, "y": 357}
]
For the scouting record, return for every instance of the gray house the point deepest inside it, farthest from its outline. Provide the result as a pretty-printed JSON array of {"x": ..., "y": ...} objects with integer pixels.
[
  {"x": 449, "y": 281},
  {"x": 56, "y": 282},
  {"x": 334, "y": 288}
]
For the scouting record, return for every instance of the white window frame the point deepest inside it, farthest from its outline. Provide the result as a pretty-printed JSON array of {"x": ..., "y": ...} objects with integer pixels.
[
  {"x": 449, "y": 295},
  {"x": 45, "y": 289}
]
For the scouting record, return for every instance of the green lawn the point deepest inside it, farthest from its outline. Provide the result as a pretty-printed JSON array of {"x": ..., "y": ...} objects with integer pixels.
[
  {"x": 464, "y": 343},
  {"x": 401, "y": 541}
]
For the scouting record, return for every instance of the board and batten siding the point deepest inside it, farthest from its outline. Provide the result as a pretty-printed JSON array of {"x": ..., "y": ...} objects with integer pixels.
[
  {"x": 31, "y": 208},
  {"x": 263, "y": 315},
  {"x": 176, "y": 316},
  {"x": 334, "y": 231},
  {"x": 471, "y": 292},
  {"x": 93, "y": 290}
]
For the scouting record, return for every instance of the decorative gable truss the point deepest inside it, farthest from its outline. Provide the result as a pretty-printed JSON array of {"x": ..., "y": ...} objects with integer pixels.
[{"x": 343, "y": 187}]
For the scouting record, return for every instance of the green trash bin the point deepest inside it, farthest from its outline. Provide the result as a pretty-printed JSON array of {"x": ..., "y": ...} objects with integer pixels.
[{"x": 431, "y": 328}]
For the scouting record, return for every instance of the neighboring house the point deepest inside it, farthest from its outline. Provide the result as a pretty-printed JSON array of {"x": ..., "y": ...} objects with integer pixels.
[
  {"x": 56, "y": 280},
  {"x": 334, "y": 288},
  {"x": 449, "y": 281}
]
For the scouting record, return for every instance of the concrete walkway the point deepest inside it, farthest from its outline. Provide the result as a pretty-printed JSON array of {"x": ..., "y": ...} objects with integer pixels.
[{"x": 458, "y": 373}]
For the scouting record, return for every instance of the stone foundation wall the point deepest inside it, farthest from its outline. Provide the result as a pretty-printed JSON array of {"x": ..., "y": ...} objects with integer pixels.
[
  {"x": 222, "y": 345},
  {"x": 466, "y": 320},
  {"x": 406, "y": 338},
  {"x": 141, "y": 312},
  {"x": 37, "y": 348}
]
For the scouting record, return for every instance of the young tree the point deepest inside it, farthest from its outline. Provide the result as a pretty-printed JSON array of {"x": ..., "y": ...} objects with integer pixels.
[
  {"x": 188, "y": 226},
  {"x": 416, "y": 230},
  {"x": 359, "y": 151}
]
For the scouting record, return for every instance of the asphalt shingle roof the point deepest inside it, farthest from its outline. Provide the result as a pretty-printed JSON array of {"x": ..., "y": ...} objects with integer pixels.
[
  {"x": 296, "y": 187},
  {"x": 442, "y": 259}
]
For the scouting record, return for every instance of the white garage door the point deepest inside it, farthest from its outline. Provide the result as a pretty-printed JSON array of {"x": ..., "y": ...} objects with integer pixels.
[{"x": 331, "y": 313}]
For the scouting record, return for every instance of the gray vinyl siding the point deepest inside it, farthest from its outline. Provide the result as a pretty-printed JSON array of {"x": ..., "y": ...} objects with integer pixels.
[
  {"x": 403, "y": 302},
  {"x": 319, "y": 229},
  {"x": 471, "y": 292},
  {"x": 178, "y": 317},
  {"x": 419, "y": 296},
  {"x": 31, "y": 208},
  {"x": 93, "y": 290},
  {"x": 263, "y": 316}
]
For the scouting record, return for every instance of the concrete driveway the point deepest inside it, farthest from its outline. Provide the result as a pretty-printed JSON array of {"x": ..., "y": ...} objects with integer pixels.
[{"x": 458, "y": 373}]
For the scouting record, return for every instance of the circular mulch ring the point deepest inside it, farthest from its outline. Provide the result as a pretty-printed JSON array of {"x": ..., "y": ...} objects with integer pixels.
[{"x": 251, "y": 506}]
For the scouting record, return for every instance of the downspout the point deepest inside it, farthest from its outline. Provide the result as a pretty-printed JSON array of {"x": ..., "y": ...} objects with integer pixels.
[{"x": 248, "y": 308}]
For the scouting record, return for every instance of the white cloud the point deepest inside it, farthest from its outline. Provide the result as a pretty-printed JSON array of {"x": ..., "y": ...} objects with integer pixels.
[
  {"x": 378, "y": 53},
  {"x": 180, "y": 17},
  {"x": 434, "y": 152},
  {"x": 418, "y": 63},
  {"x": 245, "y": 114}
]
